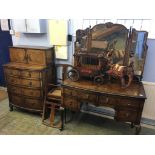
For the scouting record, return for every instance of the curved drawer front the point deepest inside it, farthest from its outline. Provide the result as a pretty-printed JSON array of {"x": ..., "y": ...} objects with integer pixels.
[
  {"x": 30, "y": 74},
  {"x": 31, "y": 83},
  {"x": 30, "y": 92},
  {"x": 33, "y": 104},
  {"x": 15, "y": 90},
  {"x": 26, "y": 103},
  {"x": 16, "y": 100},
  {"x": 12, "y": 72},
  {"x": 13, "y": 80}
]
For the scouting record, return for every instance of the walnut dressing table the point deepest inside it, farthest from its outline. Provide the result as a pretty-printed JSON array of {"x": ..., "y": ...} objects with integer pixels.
[
  {"x": 104, "y": 53},
  {"x": 127, "y": 103}
]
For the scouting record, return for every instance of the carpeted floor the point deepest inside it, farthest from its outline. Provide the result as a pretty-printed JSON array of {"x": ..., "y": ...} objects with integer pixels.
[{"x": 19, "y": 122}]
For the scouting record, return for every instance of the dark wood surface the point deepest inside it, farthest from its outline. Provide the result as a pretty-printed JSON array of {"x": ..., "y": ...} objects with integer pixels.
[
  {"x": 128, "y": 102},
  {"x": 135, "y": 90},
  {"x": 26, "y": 75}
]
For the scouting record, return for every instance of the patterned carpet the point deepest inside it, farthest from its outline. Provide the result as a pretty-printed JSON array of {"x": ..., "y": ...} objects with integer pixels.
[{"x": 19, "y": 122}]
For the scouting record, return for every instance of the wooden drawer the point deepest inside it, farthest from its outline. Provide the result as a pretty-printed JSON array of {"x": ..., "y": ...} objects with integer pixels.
[
  {"x": 26, "y": 102},
  {"x": 14, "y": 90},
  {"x": 107, "y": 100},
  {"x": 126, "y": 115},
  {"x": 30, "y": 74},
  {"x": 31, "y": 83},
  {"x": 13, "y": 80},
  {"x": 128, "y": 102},
  {"x": 118, "y": 101},
  {"x": 80, "y": 95},
  {"x": 31, "y": 92},
  {"x": 33, "y": 104},
  {"x": 71, "y": 104},
  {"x": 16, "y": 100},
  {"x": 18, "y": 55},
  {"x": 12, "y": 72}
]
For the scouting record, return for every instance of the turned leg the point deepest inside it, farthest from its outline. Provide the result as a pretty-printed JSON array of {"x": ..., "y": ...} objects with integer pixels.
[
  {"x": 65, "y": 115},
  {"x": 11, "y": 107},
  {"x": 138, "y": 129},
  {"x": 132, "y": 125},
  {"x": 62, "y": 118}
]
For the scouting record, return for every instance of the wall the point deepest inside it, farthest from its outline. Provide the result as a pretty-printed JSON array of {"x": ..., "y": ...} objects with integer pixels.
[
  {"x": 149, "y": 106},
  {"x": 32, "y": 39},
  {"x": 149, "y": 70},
  {"x": 43, "y": 40}
]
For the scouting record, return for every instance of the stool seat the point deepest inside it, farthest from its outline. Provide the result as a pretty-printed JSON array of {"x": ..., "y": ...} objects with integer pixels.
[{"x": 56, "y": 93}]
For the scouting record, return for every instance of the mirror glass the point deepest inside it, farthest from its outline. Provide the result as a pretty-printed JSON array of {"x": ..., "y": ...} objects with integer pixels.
[
  {"x": 138, "y": 51},
  {"x": 110, "y": 37}
]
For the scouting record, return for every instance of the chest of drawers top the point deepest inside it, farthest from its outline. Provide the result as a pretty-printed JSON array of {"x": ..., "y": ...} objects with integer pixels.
[{"x": 33, "y": 55}]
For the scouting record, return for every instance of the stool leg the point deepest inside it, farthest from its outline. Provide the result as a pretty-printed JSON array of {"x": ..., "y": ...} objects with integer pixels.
[
  {"x": 52, "y": 115},
  {"x": 62, "y": 118},
  {"x": 65, "y": 115}
]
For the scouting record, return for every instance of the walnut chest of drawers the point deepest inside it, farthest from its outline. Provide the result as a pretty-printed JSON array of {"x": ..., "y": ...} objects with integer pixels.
[
  {"x": 128, "y": 103},
  {"x": 26, "y": 74}
]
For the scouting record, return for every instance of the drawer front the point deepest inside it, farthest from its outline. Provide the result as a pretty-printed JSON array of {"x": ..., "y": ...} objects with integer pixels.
[
  {"x": 118, "y": 101},
  {"x": 30, "y": 92},
  {"x": 31, "y": 83},
  {"x": 16, "y": 100},
  {"x": 36, "y": 57},
  {"x": 13, "y": 80},
  {"x": 126, "y": 115},
  {"x": 33, "y": 104},
  {"x": 17, "y": 55},
  {"x": 80, "y": 95},
  {"x": 14, "y": 90},
  {"x": 12, "y": 72},
  {"x": 71, "y": 104},
  {"x": 105, "y": 100},
  {"x": 128, "y": 102},
  {"x": 30, "y": 74}
]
